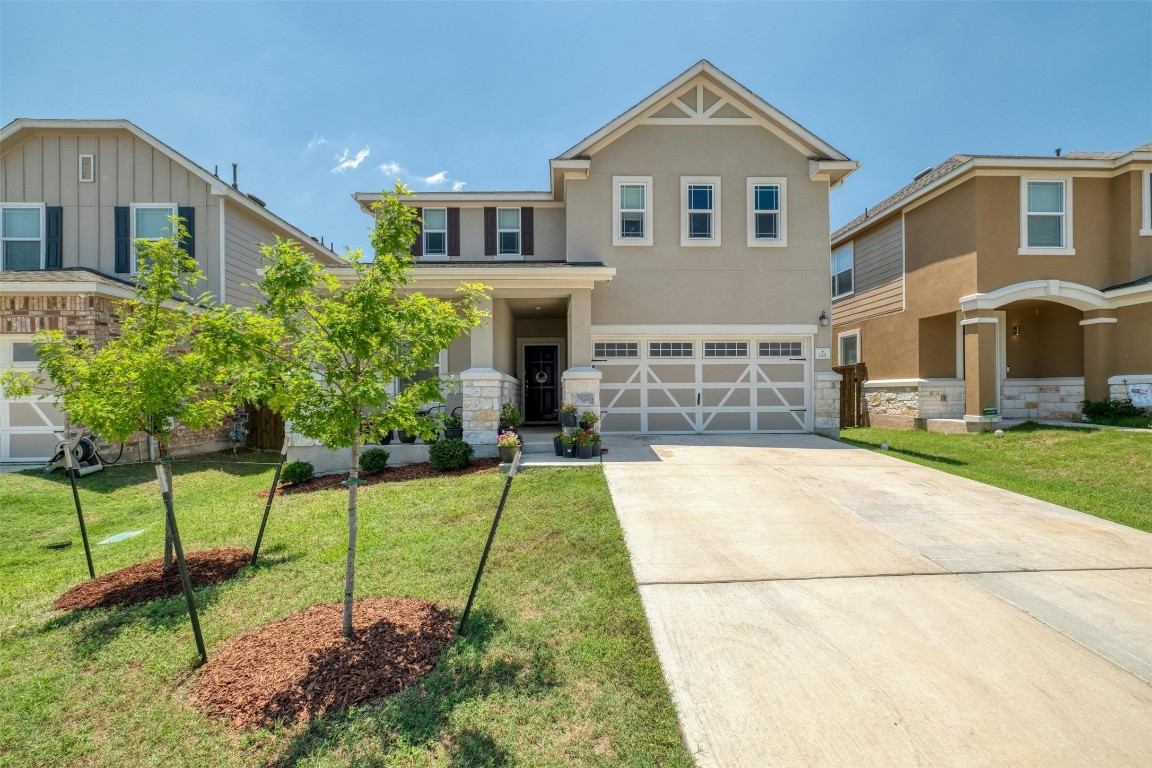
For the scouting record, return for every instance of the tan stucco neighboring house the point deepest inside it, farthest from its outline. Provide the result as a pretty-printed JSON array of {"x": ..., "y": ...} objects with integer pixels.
[
  {"x": 73, "y": 194},
  {"x": 1000, "y": 287},
  {"x": 672, "y": 278}
]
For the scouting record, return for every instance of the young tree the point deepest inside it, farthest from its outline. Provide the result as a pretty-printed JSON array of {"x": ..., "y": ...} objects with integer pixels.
[{"x": 344, "y": 344}]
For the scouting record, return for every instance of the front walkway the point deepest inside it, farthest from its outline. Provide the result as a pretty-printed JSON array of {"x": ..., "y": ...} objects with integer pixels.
[{"x": 815, "y": 604}]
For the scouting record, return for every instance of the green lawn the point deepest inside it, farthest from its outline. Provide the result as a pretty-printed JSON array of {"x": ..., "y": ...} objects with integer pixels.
[
  {"x": 558, "y": 668},
  {"x": 1107, "y": 473}
]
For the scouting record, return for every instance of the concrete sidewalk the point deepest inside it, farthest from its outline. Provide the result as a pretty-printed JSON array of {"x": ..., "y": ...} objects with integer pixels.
[{"x": 815, "y": 604}]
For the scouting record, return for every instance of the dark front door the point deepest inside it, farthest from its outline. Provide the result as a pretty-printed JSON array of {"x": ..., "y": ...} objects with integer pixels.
[{"x": 541, "y": 365}]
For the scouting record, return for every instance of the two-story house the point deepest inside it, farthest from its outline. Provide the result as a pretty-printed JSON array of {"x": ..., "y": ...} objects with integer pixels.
[
  {"x": 674, "y": 277},
  {"x": 1000, "y": 287},
  {"x": 74, "y": 194}
]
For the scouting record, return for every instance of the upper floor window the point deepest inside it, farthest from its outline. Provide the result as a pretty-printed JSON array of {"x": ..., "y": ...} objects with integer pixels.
[
  {"x": 150, "y": 221},
  {"x": 766, "y": 212},
  {"x": 508, "y": 231},
  {"x": 631, "y": 210},
  {"x": 1046, "y": 226},
  {"x": 843, "y": 262},
  {"x": 435, "y": 231},
  {"x": 22, "y": 232},
  {"x": 1146, "y": 223},
  {"x": 700, "y": 210}
]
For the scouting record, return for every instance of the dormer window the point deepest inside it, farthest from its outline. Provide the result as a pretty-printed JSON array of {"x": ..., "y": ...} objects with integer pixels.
[{"x": 436, "y": 232}]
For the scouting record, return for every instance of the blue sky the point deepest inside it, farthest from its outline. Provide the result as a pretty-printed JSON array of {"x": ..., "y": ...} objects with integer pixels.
[{"x": 317, "y": 101}]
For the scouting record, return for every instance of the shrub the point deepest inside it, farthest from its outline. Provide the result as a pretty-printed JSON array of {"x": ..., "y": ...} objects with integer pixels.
[
  {"x": 373, "y": 460},
  {"x": 1107, "y": 410},
  {"x": 510, "y": 416},
  {"x": 450, "y": 454},
  {"x": 297, "y": 472}
]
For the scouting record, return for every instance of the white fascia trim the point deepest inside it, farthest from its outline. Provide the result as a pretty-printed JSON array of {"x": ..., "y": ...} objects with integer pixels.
[
  {"x": 1072, "y": 294},
  {"x": 1098, "y": 320},
  {"x": 483, "y": 273},
  {"x": 572, "y": 169},
  {"x": 979, "y": 320},
  {"x": 51, "y": 287},
  {"x": 1126, "y": 297},
  {"x": 832, "y": 171},
  {"x": 708, "y": 329}
]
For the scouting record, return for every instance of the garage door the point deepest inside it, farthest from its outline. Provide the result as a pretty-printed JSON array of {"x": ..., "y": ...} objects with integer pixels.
[
  {"x": 28, "y": 427},
  {"x": 704, "y": 385}
]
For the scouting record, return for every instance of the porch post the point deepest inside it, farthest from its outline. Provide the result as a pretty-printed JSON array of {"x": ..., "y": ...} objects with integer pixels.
[
  {"x": 481, "y": 337},
  {"x": 580, "y": 383},
  {"x": 980, "y": 338},
  {"x": 1099, "y": 331}
]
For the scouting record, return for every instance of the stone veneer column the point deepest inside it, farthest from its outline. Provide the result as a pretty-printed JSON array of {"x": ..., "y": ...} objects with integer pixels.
[
  {"x": 484, "y": 391},
  {"x": 1099, "y": 331},
  {"x": 827, "y": 413},
  {"x": 581, "y": 387}
]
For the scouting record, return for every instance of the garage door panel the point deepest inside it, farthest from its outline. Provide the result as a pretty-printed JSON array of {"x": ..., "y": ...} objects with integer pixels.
[
  {"x": 672, "y": 374},
  {"x": 620, "y": 398},
  {"x": 670, "y": 422},
  {"x": 618, "y": 374},
  {"x": 726, "y": 421},
  {"x": 779, "y": 421},
  {"x": 34, "y": 446},
  {"x": 620, "y": 422},
  {"x": 724, "y": 372},
  {"x": 726, "y": 396},
  {"x": 782, "y": 373},
  {"x": 671, "y": 398}
]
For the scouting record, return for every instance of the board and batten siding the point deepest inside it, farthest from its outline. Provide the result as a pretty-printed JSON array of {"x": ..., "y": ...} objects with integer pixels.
[
  {"x": 243, "y": 236},
  {"x": 44, "y": 168},
  {"x": 878, "y": 274}
]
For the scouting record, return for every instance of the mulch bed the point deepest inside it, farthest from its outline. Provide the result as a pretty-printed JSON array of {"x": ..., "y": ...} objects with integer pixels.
[
  {"x": 301, "y": 668},
  {"x": 147, "y": 580},
  {"x": 387, "y": 475}
]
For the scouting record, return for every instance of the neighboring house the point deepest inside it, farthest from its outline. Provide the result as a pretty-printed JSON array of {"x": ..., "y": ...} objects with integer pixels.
[
  {"x": 1020, "y": 284},
  {"x": 673, "y": 277},
  {"x": 74, "y": 193}
]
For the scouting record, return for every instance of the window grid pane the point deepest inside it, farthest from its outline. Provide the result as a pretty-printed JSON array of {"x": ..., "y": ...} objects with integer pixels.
[
  {"x": 153, "y": 223},
  {"x": 849, "y": 354},
  {"x": 509, "y": 243},
  {"x": 24, "y": 352},
  {"x": 435, "y": 244},
  {"x": 436, "y": 219},
  {"x": 699, "y": 197},
  {"x": 725, "y": 349},
  {"x": 768, "y": 226},
  {"x": 509, "y": 218},
  {"x": 700, "y": 225},
  {"x": 781, "y": 349},
  {"x": 670, "y": 349},
  {"x": 609, "y": 349},
  {"x": 22, "y": 223},
  {"x": 22, "y": 254},
  {"x": 767, "y": 197},
  {"x": 631, "y": 224},
  {"x": 1045, "y": 197},
  {"x": 632, "y": 197}
]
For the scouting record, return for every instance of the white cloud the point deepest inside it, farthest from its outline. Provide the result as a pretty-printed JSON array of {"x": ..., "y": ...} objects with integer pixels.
[
  {"x": 316, "y": 141},
  {"x": 436, "y": 179},
  {"x": 458, "y": 186},
  {"x": 345, "y": 160},
  {"x": 391, "y": 168}
]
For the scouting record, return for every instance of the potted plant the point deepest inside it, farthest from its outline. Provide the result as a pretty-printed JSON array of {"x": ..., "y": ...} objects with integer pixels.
[
  {"x": 588, "y": 419},
  {"x": 569, "y": 445},
  {"x": 508, "y": 443},
  {"x": 510, "y": 418},
  {"x": 558, "y": 443},
  {"x": 428, "y": 427},
  {"x": 384, "y": 437},
  {"x": 453, "y": 426},
  {"x": 586, "y": 442},
  {"x": 567, "y": 415}
]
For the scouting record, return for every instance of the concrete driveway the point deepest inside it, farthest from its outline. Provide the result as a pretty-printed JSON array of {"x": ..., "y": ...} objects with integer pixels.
[{"x": 815, "y": 604}]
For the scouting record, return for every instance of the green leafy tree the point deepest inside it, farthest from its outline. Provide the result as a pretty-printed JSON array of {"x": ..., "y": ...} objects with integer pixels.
[
  {"x": 154, "y": 375},
  {"x": 343, "y": 343}
]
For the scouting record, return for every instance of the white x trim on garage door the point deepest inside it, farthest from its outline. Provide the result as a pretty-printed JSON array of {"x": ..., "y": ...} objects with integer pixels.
[{"x": 697, "y": 384}]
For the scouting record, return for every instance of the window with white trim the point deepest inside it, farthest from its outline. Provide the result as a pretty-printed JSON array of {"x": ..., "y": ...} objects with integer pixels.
[
  {"x": 508, "y": 231},
  {"x": 1146, "y": 224},
  {"x": 1046, "y": 215},
  {"x": 849, "y": 344},
  {"x": 150, "y": 221},
  {"x": 603, "y": 350},
  {"x": 781, "y": 349},
  {"x": 725, "y": 349},
  {"x": 87, "y": 169},
  {"x": 631, "y": 210},
  {"x": 699, "y": 210},
  {"x": 767, "y": 224},
  {"x": 671, "y": 349},
  {"x": 22, "y": 236},
  {"x": 435, "y": 231},
  {"x": 843, "y": 263}
]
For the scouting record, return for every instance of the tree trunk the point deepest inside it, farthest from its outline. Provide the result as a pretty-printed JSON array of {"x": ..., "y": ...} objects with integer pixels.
[
  {"x": 169, "y": 548},
  {"x": 350, "y": 567}
]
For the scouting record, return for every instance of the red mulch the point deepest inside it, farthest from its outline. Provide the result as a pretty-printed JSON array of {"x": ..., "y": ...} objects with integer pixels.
[
  {"x": 302, "y": 667},
  {"x": 147, "y": 580},
  {"x": 387, "y": 475}
]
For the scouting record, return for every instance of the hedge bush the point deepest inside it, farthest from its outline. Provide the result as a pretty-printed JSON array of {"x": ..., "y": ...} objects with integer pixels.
[
  {"x": 450, "y": 454},
  {"x": 373, "y": 460},
  {"x": 297, "y": 472}
]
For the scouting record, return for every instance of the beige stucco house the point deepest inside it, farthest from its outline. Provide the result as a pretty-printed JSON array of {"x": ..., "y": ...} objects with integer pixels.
[
  {"x": 73, "y": 194},
  {"x": 1000, "y": 287},
  {"x": 672, "y": 277}
]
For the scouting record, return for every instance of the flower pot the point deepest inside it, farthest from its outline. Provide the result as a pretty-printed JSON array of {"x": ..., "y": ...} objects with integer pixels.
[
  {"x": 508, "y": 452},
  {"x": 430, "y": 440},
  {"x": 569, "y": 451},
  {"x": 567, "y": 419},
  {"x": 558, "y": 446},
  {"x": 405, "y": 438},
  {"x": 386, "y": 439},
  {"x": 584, "y": 425},
  {"x": 585, "y": 451},
  {"x": 454, "y": 434}
]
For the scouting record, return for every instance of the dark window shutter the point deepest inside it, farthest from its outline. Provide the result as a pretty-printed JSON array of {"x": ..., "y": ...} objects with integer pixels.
[
  {"x": 53, "y": 236},
  {"x": 123, "y": 239},
  {"x": 453, "y": 232},
  {"x": 189, "y": 216},
  {"x": 489, "y": 231},
  {"x": 417, "y": 249},
  {"x": 527, "y": 232}
]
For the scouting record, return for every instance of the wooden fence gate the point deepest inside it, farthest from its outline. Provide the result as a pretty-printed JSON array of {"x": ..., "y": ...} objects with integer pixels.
[
  {"x": 852, "y": 394},
  {"x": 265, "y": 429}
]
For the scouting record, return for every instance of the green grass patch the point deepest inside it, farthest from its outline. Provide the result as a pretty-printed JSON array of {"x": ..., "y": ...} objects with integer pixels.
[
  {"x": 558, "y": 668},
  {"x": 1103, "y": 472}
]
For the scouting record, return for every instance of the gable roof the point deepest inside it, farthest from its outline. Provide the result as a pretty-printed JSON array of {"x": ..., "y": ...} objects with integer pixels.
[
  {"x": 772, "y": 118},
  {"x": 218, "y": 186},
  {"x": 957, "y": 165}
]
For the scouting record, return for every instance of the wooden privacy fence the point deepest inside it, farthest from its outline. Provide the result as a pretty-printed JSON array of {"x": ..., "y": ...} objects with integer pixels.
[
  {"x": 852, "y": 394},
  {"x": 265, "y": 428}
]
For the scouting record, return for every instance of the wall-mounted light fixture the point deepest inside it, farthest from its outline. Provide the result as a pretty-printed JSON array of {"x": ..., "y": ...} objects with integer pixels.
[
  {"x": 1015, "y": 330},
  {"x": 823, "y": 318}
]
